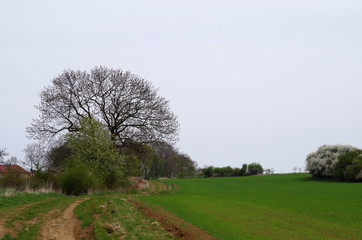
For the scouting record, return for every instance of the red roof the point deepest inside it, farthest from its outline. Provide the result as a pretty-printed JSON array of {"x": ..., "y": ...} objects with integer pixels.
[{"x": 16, "y": 168}]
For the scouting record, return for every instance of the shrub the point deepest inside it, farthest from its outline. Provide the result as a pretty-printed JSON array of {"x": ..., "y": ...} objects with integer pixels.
[
  {"x": 323, "y": 162},
  {"x": 77, "y": 181},
  {"x": 353, "y": 171},
  {"x": 345, "y": 160},
  {"x": 349, "y": 166},
  {"x": 41, "y": 179}
]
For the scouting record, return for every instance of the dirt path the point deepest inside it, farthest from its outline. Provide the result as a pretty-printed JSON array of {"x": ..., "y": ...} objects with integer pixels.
[
  {"x": 176, "y": 226},
  {"x": 61, "y": 228}
]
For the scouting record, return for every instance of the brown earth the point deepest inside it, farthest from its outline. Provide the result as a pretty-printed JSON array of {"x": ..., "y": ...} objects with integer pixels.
[
  {"x": 176, "y": 226},
  {"x": 66, "y": 227}
]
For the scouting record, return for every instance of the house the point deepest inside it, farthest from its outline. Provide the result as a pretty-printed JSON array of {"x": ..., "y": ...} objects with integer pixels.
[{"x": 19, "y": 171}]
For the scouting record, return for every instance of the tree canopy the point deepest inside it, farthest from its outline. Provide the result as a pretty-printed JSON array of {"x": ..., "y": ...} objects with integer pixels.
[{"x": 128, "y": 105}]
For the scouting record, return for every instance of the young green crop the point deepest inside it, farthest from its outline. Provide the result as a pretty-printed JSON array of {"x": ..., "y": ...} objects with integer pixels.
[{"x": 288, "y": 206}]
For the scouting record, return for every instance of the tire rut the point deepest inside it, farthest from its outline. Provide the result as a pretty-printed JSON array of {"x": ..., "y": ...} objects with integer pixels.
[{"x": 63, "y": 227}]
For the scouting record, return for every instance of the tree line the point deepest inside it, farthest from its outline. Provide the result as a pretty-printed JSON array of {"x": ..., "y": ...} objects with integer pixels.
[{"x": 245, "y": 170}]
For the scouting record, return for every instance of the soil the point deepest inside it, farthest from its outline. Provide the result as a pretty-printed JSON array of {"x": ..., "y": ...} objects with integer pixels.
[
  {"x": 66, "y": 227},
  {"x": 176, "y": 226},
  {"x": 139, "y": 183}
]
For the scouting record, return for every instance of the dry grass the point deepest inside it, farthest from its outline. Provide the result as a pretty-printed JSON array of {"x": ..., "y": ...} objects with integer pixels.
[{"x": 7, "y": 192}]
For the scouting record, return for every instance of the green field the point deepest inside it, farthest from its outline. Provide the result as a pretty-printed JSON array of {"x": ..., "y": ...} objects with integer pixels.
[{"x": 288, "y": 206}]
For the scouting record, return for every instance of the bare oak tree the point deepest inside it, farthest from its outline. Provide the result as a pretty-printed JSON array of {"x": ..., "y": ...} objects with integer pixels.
[{"x": 127, "y": 104}]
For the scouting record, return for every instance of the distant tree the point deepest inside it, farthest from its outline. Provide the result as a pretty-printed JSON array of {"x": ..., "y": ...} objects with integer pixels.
[
  {"x": 157, "y": 168},
  {"x": 244, "y": 169},
  {"x": 167, "y": 153},
  {"x": 295, "y": 169},
  {"x": 128, "y": 105},
  {"x": 145, "y": 157},
  {"x": 208, "y": 171},
  {"x": 224, "y": 171},
  {"x": 12, "y": 161},
  {"x": 35, "y": 156},
  {"x": 185, "y": 167},
  {"x": 254, "y": 169},
  {"x": 236, "y": 172},
  {"x": 3, "y": 153}
]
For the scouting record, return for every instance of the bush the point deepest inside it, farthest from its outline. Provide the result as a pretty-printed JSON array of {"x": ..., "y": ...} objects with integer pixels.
[
  {"x": 42, "y": 179},
  {"x": 323, "y": 162},
  {"x": 349, "y": 166},
  {"x": 77, "y": 181},
  {"x": 352, "y": 172},
  {"x": 345, "y": 160}
]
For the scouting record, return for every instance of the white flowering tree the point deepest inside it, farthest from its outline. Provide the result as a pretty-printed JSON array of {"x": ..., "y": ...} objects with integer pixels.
[{"x": 322, "y": 163}]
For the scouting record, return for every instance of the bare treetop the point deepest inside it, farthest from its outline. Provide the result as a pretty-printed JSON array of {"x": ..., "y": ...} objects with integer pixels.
[
  {"x": 2, "y": 154},
  {"x": 127, "y": 104}
]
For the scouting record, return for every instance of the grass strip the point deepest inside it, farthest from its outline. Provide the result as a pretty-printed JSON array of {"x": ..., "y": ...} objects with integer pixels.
[
  {"x": 24, "y": 198},
  {"x": 113, "y": 217}
]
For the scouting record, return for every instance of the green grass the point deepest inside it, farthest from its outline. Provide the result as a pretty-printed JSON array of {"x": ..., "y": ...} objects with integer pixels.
[
  {"x": 23, "y": 198},
  {"x": 288, "y": 206},
  {"x": 116, "y": 218}
]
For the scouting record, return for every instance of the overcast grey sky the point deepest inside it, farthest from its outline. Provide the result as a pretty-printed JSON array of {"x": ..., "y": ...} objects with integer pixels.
[{"x": 251, "y": 81}]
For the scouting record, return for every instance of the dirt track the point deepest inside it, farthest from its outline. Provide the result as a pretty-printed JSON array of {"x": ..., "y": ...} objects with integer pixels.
[{"x": 62, "y": 228}]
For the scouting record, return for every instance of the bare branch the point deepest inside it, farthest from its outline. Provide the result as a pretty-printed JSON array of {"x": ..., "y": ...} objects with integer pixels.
[{"x": 128, "y": 105}]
